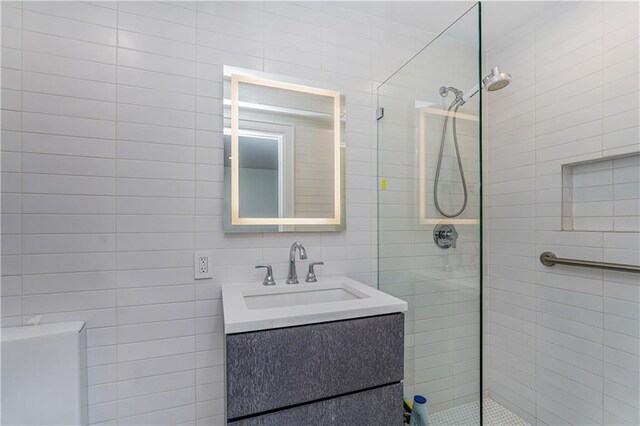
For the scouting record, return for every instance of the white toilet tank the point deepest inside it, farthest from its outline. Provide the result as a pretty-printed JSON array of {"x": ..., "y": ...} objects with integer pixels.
[{"x": 44, "y": 379}]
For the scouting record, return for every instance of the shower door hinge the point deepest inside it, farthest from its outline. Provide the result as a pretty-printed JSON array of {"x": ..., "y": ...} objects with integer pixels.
[{"x": 379, "y": 113}]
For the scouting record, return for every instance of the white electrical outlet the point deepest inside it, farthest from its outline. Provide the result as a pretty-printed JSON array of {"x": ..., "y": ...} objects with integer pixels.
[{"x": 202, "y": 265}]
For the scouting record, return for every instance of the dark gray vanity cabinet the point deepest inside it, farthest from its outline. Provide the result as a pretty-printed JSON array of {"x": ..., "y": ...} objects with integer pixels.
[{"x": 334, "y": 373}]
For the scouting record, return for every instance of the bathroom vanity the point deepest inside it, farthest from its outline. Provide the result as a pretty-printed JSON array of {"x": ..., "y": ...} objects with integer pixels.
[{"x": 330, "y": 352}]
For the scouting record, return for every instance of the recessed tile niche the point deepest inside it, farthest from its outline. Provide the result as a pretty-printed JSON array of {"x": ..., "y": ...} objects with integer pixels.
[{"x": 602, "y": 195}]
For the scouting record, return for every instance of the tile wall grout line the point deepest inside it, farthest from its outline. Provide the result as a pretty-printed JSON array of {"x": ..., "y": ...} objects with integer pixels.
[{"x": 117, "y": 277}]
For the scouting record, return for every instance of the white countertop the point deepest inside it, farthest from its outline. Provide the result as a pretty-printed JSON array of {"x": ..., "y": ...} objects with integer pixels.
[{"x": 363, "y": 301}]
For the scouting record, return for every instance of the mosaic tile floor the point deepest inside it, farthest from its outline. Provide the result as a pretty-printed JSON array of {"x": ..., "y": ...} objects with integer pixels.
[{"x": 467, "y": 415}]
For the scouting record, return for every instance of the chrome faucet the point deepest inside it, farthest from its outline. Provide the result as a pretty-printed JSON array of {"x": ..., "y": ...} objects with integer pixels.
[{"x": 292, "y": 276}]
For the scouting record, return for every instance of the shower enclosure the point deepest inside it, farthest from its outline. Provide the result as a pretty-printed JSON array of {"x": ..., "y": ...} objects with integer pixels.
[{"x": 429, "y": 216}]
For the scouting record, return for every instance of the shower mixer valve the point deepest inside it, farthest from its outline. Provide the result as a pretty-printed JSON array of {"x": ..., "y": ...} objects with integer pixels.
[{"x": 445, "y": 236}]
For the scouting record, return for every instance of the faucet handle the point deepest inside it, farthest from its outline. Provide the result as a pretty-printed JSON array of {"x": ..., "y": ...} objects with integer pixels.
[
  {"x": 311, "y": 275},
  {"x": 268, "y": 279}
]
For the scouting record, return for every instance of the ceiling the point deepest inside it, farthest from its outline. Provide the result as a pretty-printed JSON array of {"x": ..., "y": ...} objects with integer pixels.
[
  {"x": 499, "y": 18},
  {"x": 430, "y": 16}
]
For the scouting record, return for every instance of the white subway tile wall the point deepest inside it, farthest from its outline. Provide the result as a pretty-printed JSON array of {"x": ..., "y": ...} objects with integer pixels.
[
  {"x": 112, "y": 176},
  {"x": 561, "y": 343}
]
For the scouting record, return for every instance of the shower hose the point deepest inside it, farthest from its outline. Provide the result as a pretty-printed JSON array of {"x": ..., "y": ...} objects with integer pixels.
[{"x": 455, "y": 104}]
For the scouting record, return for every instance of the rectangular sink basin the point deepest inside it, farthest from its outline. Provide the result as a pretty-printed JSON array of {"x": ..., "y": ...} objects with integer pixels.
[
  {"x": 252, "y": 306},
  {"x": 323, "y": 295}
]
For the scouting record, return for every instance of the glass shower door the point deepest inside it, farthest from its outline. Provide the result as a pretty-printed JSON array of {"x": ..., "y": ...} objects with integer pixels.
[{"x": 429, "y": 217}]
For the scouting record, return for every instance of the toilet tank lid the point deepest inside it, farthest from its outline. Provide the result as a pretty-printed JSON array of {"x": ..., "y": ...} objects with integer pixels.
[{"x": 34, "y": 331}]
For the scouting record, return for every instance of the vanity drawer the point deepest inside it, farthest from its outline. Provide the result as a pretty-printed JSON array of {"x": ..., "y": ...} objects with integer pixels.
[
  {"x": 375, "y": 407},
  {"x": 272, "y": 369}
]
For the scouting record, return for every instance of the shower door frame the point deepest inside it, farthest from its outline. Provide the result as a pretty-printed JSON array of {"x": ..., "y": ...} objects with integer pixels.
[{"x": 480, "y": 211}]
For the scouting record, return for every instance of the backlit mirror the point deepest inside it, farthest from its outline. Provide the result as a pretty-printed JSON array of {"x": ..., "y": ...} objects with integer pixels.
[{"x": 283, "y": 154}]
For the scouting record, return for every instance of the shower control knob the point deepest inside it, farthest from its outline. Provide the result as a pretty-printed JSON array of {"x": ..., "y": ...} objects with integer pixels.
[{"x": 445, "y": 236}]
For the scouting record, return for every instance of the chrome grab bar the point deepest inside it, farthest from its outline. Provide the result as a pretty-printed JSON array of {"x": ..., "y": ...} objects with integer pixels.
[{"x": 549, "y": 259}]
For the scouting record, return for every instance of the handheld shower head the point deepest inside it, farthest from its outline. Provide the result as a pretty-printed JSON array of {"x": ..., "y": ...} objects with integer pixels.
[{"x": 496, "y": 80}]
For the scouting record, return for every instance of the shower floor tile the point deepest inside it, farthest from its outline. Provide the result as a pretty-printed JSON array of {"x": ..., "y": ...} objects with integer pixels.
[{"x": 494, "y": 414}]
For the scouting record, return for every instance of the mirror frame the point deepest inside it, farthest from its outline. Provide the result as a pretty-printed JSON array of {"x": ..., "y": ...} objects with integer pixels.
[{"x": 236, "y": 79}]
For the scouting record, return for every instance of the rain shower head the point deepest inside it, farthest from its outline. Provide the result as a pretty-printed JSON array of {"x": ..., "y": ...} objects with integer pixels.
[{"x": 496, "y": 80}]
